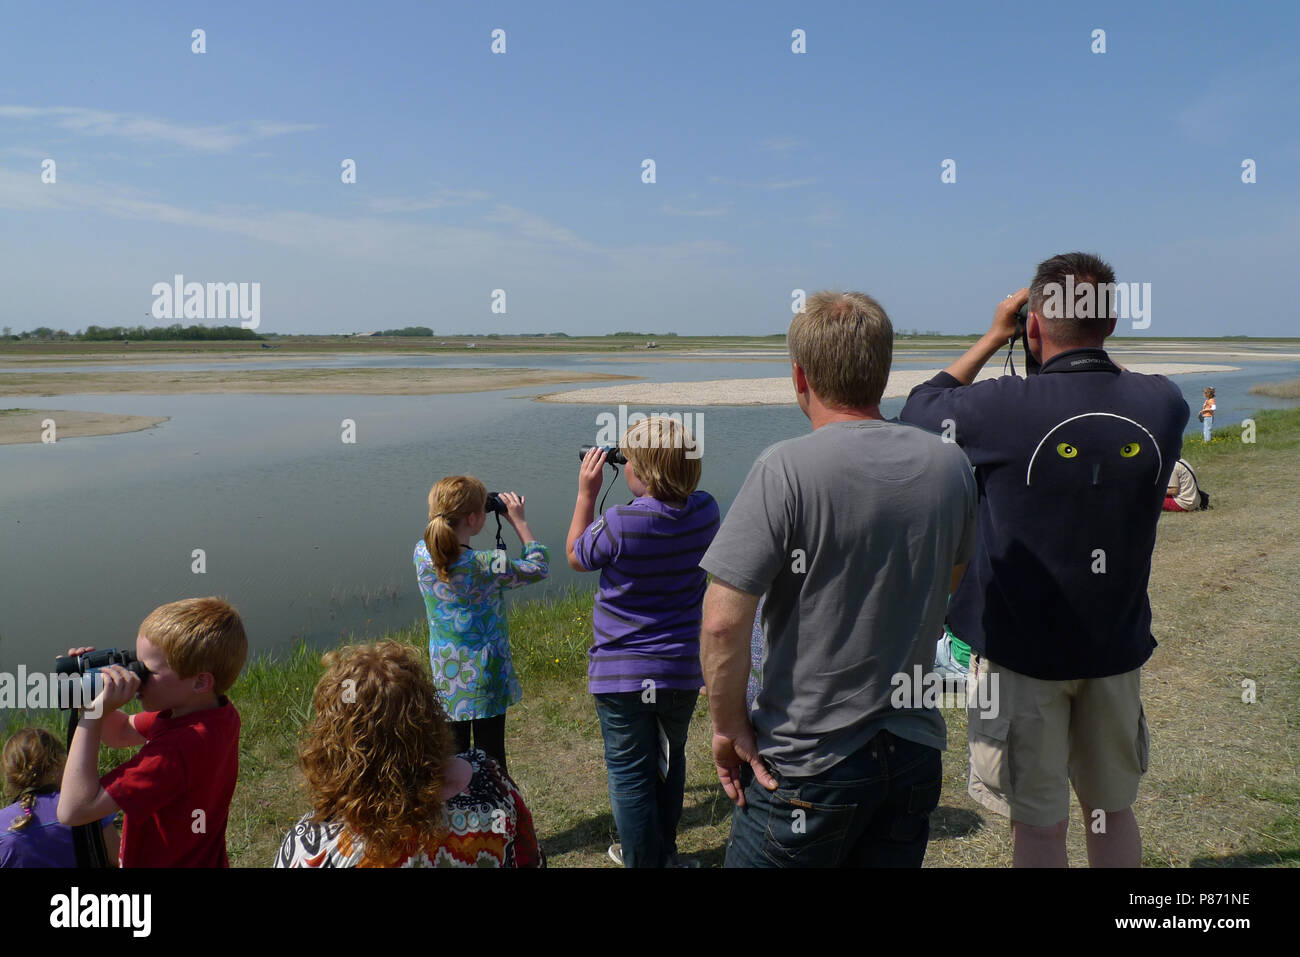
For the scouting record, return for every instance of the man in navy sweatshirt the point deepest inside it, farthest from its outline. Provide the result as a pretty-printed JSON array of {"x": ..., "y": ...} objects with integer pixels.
[{"x": 1072, "y": 465}]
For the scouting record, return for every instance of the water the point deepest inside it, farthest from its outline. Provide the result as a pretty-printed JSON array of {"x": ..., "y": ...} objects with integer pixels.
[{"x": 312, "y": 538}]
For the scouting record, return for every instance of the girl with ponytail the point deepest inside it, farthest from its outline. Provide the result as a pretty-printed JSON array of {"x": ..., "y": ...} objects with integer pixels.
[
  {"x": 469, "y": 646},
  {"x": 30, "y": 832}
]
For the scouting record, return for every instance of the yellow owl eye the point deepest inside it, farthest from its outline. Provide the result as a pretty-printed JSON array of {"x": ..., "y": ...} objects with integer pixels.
[
  {"x": 1130, "y": 449},
  {"x": 1066, "y": 451}
]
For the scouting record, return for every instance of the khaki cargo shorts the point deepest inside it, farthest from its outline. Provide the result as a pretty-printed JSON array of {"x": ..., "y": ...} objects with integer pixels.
[{"x": 1043, "y": 736}]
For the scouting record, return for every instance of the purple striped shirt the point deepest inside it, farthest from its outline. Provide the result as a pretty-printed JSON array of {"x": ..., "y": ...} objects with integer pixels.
[{"x": 646, "y": 621}]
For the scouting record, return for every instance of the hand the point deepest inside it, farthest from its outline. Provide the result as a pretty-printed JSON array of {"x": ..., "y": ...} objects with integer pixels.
[
  {"x": 1004, "y": 317},
  {"x": 514, "y": 507},
  {"x": 119, "y": 687},
  {"x": 77, "y": 652},
  {"x": 591, "y": 473},
  {"x": 729, "y": 752}
]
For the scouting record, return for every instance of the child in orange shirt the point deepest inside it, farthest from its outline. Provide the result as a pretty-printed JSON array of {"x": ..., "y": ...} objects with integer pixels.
[{"x": 1206, "y": 415}]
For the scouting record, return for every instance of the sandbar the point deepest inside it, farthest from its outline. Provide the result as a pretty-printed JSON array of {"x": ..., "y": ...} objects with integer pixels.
[
  {"x": 410, "y": 381},
  {"x": 780, "y": 391},
  {"x": 20, "y": 426}
]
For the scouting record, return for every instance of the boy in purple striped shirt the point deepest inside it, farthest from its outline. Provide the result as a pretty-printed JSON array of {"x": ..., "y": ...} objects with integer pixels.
[{"x": 644, "y": 668}]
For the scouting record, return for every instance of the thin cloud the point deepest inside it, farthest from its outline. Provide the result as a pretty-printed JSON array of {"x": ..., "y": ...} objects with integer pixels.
[
  {"x": 768, "y": 185},
  {"x": 714, "y": 211},
  {"x": 146, "y": 129},
  {"x": 519, "y": 233},
  {"x": 780, "y": 144},
  {"x": 417, "y": 204},
  {"x": 537, "y": 229},
  {"x": 785, "y": 184}
]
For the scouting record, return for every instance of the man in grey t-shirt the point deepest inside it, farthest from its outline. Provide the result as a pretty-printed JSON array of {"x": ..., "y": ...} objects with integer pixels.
[{"x": 855, "y": 533}]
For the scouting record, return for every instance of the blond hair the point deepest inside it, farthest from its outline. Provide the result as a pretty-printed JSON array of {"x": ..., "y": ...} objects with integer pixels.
[
  {"x": 450, "y": 500},
  {"x": 197, "y": 635},
  {"x": 656, "y": 449},
  {"x": 844, "y": 343},
  {"x": 33, "y": 762},
  {"x": 1209, "y": 391}
]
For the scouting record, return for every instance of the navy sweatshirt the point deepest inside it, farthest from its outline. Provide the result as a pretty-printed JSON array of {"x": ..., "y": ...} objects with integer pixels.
[{"x": 1072, "y": 466}]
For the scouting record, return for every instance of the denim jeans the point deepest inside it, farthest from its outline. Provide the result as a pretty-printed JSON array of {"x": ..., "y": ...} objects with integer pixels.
[
  {"x": 870, "y": 810},
  {"x": 1207, "y": 424},
  {"x": 646, "y": 807}
]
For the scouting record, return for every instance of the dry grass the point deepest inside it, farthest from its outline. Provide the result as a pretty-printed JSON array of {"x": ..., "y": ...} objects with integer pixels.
[{"x": 1278, "y": 390}]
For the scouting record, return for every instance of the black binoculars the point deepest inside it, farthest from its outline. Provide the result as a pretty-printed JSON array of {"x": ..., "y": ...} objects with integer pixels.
[
  {"x": 92, "y": 663},
  {"x": 612, "y": 455}
]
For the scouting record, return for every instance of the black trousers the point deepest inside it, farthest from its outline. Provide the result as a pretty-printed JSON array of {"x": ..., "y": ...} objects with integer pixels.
[{"x": 489, "y": 735}]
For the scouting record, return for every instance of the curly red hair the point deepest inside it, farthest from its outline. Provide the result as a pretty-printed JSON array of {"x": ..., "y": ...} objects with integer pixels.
[{"x": 378, "y": 748}]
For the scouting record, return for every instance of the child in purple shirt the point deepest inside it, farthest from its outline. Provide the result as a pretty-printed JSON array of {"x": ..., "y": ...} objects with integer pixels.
[
  {"x": 644, "y": 663},
  {"x": 30, "y": 832}
]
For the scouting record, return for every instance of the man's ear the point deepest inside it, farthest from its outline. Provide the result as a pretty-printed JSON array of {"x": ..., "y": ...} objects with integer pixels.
[
  {"x": 1034, "y": 327},
  {"x": 1034, "y": 334},
  {"x": 800, "y": 380}
]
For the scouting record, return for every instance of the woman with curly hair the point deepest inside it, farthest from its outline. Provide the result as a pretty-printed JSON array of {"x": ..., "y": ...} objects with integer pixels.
[{"x": 387, "y": 788}]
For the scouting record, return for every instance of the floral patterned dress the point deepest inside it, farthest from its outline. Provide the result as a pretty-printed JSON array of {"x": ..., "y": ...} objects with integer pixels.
[
  {"x": 469, "y": 646},
  {"x": 487, "y": 825}
]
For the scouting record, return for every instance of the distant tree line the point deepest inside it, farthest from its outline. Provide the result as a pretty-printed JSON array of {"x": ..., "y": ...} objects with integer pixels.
[
  {"x": 167, "y": 333},
  {"x": 653, "y": 335},
  {"x": 175, "y": 332},
  {"x": 407, "y": 331}
]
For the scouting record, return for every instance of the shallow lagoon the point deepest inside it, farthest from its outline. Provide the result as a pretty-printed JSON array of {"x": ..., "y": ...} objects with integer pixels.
[{"x": 312, "y": 538}]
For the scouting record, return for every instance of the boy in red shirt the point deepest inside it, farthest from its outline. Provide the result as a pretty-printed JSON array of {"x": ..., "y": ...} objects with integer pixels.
[{"x": 176, "y": 791}]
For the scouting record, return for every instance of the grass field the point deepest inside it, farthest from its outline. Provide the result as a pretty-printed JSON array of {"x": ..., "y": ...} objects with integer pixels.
[{"x": 1222, "y": 789}]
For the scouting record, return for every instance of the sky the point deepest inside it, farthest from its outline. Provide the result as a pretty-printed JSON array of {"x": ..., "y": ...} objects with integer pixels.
[{"x": 523, "y": 171}]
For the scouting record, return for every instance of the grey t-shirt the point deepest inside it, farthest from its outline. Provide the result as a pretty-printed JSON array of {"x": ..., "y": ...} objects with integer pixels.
[{"x": 852, "y": 531}]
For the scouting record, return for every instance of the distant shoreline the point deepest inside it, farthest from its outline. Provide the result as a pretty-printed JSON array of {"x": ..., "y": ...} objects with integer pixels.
[{"x": 29, "y": 353}]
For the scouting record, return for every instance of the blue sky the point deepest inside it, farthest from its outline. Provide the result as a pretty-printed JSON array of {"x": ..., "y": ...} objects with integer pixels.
[{"x": 522, "y": 171}]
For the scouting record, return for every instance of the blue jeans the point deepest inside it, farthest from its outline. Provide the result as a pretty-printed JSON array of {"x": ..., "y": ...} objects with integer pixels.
[
  {"x": 1207, "y": 424},
  {"x": 646, "y": 807},
  {"x": 870, "y": 810}
]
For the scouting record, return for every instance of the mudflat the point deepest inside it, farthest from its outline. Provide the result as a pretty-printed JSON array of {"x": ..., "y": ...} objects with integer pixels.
[
  {"x": 19, "y": 426},
  {"x": 410, "y": 381}
]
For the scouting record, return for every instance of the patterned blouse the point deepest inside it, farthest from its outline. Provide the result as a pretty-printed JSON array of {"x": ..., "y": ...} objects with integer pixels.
[
  {"x": 487, "y": 825},
  {"x": 469, "y": 646}
]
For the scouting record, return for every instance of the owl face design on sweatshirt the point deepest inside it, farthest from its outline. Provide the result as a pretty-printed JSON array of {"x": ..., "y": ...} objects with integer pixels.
[{"x": 1095, "y": 450}]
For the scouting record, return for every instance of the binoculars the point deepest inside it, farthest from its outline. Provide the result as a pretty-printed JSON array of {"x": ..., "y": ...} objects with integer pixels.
[
  {"x": 612, "y": 455},
  {"x": 92, "y": 663}
]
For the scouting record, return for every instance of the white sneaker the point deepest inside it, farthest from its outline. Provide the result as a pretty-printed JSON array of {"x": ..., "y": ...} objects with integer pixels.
[{"x": 616, "y": 854}]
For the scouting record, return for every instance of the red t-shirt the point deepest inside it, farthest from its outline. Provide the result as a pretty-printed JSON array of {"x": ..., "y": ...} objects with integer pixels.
[{"x": 186, "y": 766}]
